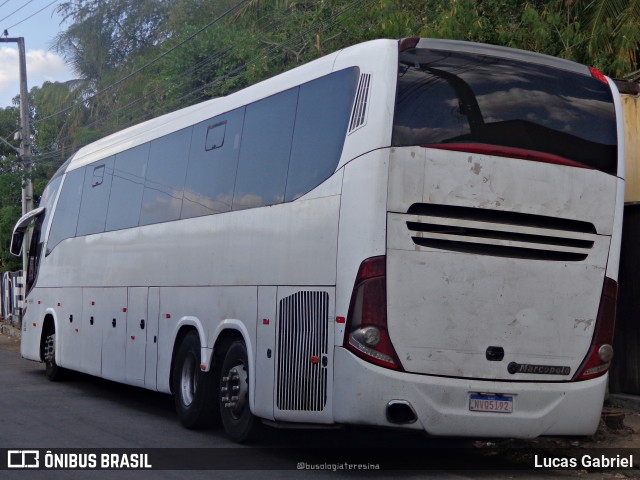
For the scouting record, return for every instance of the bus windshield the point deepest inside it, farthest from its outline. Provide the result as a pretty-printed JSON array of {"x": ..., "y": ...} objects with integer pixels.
[{"x": 484, "y": 104}]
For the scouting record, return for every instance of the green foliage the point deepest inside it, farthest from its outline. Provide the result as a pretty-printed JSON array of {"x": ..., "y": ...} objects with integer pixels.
[
  {"x": 106, "y": 35},
  {"x": 10, "y": 200}
]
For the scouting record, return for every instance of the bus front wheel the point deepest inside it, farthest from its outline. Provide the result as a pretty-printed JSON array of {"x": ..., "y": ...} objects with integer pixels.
[
  {"x": 52, "y": 370},
  {"x": 238, "y": 421},
  {"x": 193, "y": 389}
]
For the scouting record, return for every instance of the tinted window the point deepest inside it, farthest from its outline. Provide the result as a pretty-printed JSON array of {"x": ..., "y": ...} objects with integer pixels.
[
  {"x": 164, "y": 181},
  {"x": 65, "y": 217},
  {"x": 213, "y": 161},
  {"x": 264, "y": 155},
  {"x": 127, "y": 187},
  {"x": 95, "y": 197},
  {"x": 324, "y": 106},
  {"x": 39, "y": 230},
  {"x": 447, "y": 97}
]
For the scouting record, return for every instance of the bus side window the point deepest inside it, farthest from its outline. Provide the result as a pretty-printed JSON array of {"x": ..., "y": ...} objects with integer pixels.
[
  {"x": 322, "y": 117},
  {"x": 127, "y": 187},
  {"x": 95, "y": 197},
  {"x": 164, "y": 181},
  {"x": 265, "y": 151},
  {"x": 65, "y": 217},
  {"x": 213, "y": 161}
]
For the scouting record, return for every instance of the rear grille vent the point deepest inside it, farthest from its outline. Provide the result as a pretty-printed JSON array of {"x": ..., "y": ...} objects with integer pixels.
[
  {"x": 499, "y": 233},
  {"x": 359, "y": 114},
  {"x": 302, "y": 352}
]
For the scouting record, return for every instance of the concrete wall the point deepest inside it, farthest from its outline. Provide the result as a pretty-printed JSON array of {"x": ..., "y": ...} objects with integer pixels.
[
  {"x": 625, "y": 371},
  {"x": 631, "y": 109}
]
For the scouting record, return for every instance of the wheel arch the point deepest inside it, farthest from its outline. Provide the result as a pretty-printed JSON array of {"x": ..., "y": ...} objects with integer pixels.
[
  {"x": 182, "y": 328},
  {"x": 49, "y": 321},
  {"x": 226, "y": 332}
]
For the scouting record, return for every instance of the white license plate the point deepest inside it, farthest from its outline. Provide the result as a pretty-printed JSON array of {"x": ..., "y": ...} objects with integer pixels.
[{"x": 491, "y": 403}]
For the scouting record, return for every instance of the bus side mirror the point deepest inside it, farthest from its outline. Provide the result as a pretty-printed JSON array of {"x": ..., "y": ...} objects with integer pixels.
[
  {"x": 16, "y": 242},
  {"x": 17, "y": 237}
]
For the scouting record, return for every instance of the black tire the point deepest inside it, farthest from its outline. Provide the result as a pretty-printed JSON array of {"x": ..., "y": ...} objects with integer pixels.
[
  {"x": 238, "y": 421},
  {"x": 194, "y": 391},
  {"x": 52, "y": 371}
]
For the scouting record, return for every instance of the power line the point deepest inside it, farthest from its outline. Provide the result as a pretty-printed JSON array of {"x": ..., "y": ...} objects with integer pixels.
[
  {"x": 258, "y": 57},
  {"x": 151, "y": 62},
  {"x": 185, "y": 78},
  {"x": 4, "y": 3},
  {"x": 15, "y": 11},
  {"x": 263, "y": 54},
  {"x": 184, "y": 75},
  {"x": 32, "y": 15}
]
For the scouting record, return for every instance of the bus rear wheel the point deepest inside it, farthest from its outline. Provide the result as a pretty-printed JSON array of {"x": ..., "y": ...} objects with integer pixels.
[
  {"x": 193, "y": 389},
  {"x": 238, "y": 421}
]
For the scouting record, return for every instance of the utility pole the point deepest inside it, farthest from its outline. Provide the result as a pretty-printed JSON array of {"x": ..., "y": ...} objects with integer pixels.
[{"x": 25, "y": 141}]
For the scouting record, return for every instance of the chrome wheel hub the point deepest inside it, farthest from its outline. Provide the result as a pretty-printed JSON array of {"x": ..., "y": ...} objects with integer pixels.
[
  {"x": 188, "y": 381},
  {"x": 50, "y": 348},
  {"x": 233, "y": 390}
]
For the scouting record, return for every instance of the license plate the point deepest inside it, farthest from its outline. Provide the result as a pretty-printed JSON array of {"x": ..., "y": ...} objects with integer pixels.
[{"x": 491, "y": 403}]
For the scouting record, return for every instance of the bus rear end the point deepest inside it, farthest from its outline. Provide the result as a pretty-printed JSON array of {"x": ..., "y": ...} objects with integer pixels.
[{"x": 492, "y": 311}]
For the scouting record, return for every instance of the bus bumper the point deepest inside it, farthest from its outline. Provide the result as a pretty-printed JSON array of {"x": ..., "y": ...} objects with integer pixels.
[{"x": 363, "y": 392}]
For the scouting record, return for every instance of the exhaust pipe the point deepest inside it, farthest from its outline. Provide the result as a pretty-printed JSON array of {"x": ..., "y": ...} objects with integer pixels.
[{"x": 400, "y": 412}]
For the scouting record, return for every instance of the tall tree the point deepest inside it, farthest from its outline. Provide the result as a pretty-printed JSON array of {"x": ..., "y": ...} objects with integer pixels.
[
  {"x": 613, "y": 28},
  {"x": 104, "y": 35}
]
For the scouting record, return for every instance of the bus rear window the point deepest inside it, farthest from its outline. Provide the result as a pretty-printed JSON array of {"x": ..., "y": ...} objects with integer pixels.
[{"x": 452, "y": 99}]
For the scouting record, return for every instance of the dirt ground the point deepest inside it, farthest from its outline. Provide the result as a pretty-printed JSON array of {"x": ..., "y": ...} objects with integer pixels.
[{"x": 10, "y": 343}]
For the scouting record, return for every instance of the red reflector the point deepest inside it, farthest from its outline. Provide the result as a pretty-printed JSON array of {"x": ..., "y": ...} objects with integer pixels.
[
  {"x": 124, "y": 310},
  {"x": 598, "y": 75},
  {"x": 39, "y": 302},
  {"x": 92, "y": 302},
  {"x": 76, "y": 330},
  {"x": 265, "y": 321},
  {"x": 34, "y": 324},
  {"x": 167, "y": 315},
  {"x": 340, "y": 319},
  {"x": 59, "y": 304},
  {"x": 314, "y": 359},
  {"x": 133, "y": 337}
]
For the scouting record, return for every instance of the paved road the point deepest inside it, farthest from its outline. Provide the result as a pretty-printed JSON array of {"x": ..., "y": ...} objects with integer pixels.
[{"x": 85, "y": 412}]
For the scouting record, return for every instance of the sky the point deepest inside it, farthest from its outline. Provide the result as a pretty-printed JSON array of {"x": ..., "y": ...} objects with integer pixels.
[{"x": 37, "y": 22}]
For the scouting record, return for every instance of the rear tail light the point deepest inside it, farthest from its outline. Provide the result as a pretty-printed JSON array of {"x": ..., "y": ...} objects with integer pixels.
[
  {"x": 600, "y": 354},
  {"x": 598, "y": 75},
  {"x": 367, "y": 335}
]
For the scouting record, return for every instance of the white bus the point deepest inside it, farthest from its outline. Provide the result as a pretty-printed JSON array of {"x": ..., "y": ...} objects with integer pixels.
[{"x": 421, "y": 234}]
